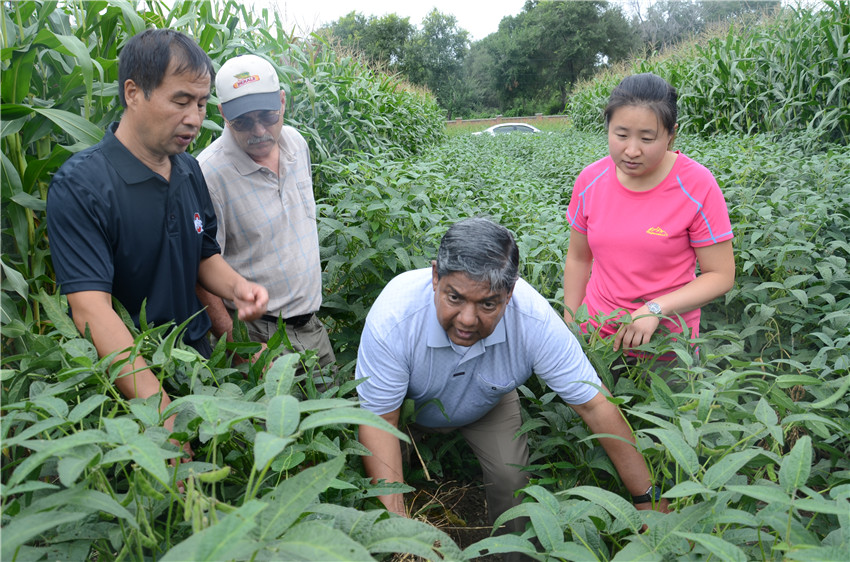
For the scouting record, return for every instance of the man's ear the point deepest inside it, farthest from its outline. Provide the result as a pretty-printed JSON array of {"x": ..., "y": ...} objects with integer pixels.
[
  {"x": 282, "y": 102},
  {"x": 132, "y": 92},
  {"x": 434, "y": 277}
]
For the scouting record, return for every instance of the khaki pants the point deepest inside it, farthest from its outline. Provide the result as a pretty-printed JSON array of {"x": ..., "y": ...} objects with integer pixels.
[
  {"x": 492, "y": 440},
  {"x": 311, "y": 335}
]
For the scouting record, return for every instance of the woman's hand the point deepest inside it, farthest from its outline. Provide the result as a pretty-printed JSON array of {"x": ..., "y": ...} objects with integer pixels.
[{"x": 638, "y": 331}]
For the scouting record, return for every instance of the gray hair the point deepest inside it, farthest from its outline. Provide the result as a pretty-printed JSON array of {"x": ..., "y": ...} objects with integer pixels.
[{"x": 483, "y": 250}]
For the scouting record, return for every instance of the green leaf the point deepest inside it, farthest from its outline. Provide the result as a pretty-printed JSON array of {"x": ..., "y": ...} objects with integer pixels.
[
  {"x": 15, "y": 280},
  {"x": 278, "y": 380},
  {"x": 21, "y": 529},
  {"x": 267, "y": 447},
  {"x": 75, "y": 461},
  {"x": 762, "y": 492},
  {"x": 684, "y": 455},
  {"x": 620, "y": 508},
  {"x": 315, "y": 540},
  {"x": 688, "y": 488},
  {"x": 55, "y": 310},
  {"x": 292, "y": 497},
  {"x": 829, "y": 401},
  {"x": 17, "y": 78},
  {"x": 283, "y": 415},
  {"x": 81, "y": 129},
  {"x": 47, "y": 449},
  {"x": 354, "y": 416},
  {"x": 226, "y": 540},
  {"x": 796, "y": 466},
  {"x": 717, "y": 546},
  {"x": 122, "y": 430},
  {"x": 766, "y": 415},
  {"x": 546, "y": 525},
  {"x": 723, "y": 470},
  {"x": 501, "y": 544},
  {"x": 399, "y": 534}
]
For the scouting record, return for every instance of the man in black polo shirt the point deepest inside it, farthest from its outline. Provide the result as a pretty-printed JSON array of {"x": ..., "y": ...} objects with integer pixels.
[{"x": 131, "y": 216}]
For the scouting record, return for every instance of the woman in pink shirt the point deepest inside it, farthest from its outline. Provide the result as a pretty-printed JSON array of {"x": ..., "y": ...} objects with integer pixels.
[{"x": 642, "y": 218}]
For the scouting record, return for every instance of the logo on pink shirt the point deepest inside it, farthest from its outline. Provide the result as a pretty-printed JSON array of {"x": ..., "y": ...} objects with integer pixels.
[{"x": 656, "y": 231}]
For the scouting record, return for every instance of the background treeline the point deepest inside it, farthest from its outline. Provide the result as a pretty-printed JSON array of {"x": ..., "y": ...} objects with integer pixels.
[
  {"x": 532, "y": 62},
  {"x": 754, "y": 450}
]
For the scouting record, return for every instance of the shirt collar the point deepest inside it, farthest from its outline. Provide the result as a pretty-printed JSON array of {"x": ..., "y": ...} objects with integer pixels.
[{"x": 131, "y": 169}]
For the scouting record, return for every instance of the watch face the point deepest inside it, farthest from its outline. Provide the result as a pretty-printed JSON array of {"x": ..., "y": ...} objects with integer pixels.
[{"x": 654, "y": 307}]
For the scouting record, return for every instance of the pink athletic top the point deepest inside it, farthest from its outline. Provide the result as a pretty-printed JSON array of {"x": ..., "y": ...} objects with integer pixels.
[{"x": 643, "y": 241}]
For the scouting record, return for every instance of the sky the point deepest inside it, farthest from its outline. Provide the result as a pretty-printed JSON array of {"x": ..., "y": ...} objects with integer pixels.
[{"x": 479, "y": 18}]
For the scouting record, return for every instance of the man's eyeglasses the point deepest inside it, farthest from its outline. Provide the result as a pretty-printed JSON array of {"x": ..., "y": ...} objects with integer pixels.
[{"x": 266, "y": 119}]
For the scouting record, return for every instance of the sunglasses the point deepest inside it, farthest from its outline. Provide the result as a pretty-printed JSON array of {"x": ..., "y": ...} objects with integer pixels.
[{"x": 243, "y": 124}]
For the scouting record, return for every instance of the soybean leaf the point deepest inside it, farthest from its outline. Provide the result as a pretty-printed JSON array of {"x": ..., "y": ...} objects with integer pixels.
[
  {"x": 796, "y": 466},
  {"x": 354, "y": 416},
  {"x": 315, "y": 540},
  {"x": 723, "y": 470},
  {"x": 278, "y": 379},
  {"x": 681, "y": 452},
  {"x": 26, "y": 527},
  {"x": 223, "y": 541},
  {"x": 292, "y": 497},
  {"x": 282, "y": 415},
  {"x": 267, "y": 447},
  {"x": 717, "y": 547}
]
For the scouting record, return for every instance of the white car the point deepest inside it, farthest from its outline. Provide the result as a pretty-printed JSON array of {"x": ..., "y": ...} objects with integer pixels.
[{"x": 502, "y": 128}]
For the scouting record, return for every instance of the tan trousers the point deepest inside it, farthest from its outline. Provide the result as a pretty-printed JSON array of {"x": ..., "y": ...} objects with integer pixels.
[{"x": 492, "y": 440}]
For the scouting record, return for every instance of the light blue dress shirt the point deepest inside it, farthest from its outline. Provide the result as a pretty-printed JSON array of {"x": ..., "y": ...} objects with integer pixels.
[{"x": 405, "y": 353}]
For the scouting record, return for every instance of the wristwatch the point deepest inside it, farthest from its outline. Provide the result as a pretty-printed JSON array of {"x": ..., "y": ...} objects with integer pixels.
[
  {"x": 654, "y": 307},
  {"x": 651, "y": 492}
]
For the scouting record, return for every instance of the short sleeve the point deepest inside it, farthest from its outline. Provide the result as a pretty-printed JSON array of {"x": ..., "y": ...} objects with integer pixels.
[
  {"x": 576, "y": 211},
  {"x": 561, "y": 363},
  {"x": 711, "y": 225},
  {"x": 387, "y": 376},
  {"x": 79, "y": 235}
]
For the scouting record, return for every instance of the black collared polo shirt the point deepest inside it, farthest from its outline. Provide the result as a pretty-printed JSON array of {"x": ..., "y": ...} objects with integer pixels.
[{"x": 117, "y": 226}]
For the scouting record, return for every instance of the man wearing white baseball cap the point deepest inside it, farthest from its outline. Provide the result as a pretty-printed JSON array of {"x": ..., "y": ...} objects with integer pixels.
[{"x": 259, "y": 179}]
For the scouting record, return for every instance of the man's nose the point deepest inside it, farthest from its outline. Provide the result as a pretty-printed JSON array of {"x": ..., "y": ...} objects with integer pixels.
[{"x": 467, "y": 316}]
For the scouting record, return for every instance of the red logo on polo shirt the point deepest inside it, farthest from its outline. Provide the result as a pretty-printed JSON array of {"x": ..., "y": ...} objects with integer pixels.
[{"x": 199, "y": 225}]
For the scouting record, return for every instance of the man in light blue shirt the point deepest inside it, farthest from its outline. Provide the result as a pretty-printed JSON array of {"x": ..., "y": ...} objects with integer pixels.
[{"x": 467, "y": 332}]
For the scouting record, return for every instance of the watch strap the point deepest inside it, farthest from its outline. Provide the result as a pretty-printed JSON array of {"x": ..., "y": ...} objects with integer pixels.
[{"x": 651, "y": 492}]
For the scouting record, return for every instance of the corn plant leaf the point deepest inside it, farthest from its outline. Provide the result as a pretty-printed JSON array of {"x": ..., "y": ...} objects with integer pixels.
[
  {"x": 266, "y": 447},
  {"x": 723, "y": 470},
  {"x": 25, "y": 527},
  {"x": 282, "y": 415},
  {"x": 796, "y": 466},
  {"x": 18, "y": 76},
  {"x": 717, "y": 547},
  {"x": 292, "y": 497},
  {"x": 314, "y": 540},
  {"x": 224, "y": 541},
  {"x": 15, "y": 280},
  {"x": 78, "y": 127}
]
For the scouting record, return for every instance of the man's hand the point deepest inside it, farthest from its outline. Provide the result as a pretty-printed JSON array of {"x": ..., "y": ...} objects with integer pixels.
[
  {"x": 637, "y": 332},
  {"x": 251, "y": 300}
]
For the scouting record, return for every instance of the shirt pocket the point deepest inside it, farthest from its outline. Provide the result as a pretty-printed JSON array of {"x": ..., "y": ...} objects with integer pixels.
[{"x": 305, "y": 191}]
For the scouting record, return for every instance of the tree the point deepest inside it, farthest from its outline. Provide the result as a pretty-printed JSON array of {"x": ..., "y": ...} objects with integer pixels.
[
  {"x": 434, "y": 58},
  {"x": 543, "y": 50},
  {"x": 381, "y": 40}
]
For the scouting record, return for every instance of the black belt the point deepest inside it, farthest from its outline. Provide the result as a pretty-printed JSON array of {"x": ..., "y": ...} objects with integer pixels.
[{"x": 294, "y": 321}]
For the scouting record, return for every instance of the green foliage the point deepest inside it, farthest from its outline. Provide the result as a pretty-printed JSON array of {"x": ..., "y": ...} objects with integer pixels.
[
  {"x": 750, "y": 438},
  {"x": 788, "y": 74}
]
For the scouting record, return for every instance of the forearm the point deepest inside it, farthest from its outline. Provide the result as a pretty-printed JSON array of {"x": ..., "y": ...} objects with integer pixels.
[
  {"x": 576, "y": 276},
  {"x": 603, "y": 417},
  {"x": 94, "y": 310},
  {"x": 222, "y": 321},
  {"x": 217, "y": 277},
  {"x": 702, "y": 290},
  {"x": 385, "y": 461}
]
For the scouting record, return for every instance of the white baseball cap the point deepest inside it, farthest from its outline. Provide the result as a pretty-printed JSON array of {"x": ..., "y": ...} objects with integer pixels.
[{"x": 247, "y": 83}]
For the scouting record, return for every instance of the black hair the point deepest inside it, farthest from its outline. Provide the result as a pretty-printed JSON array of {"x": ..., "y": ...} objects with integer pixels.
[
  {"x": 146, "y": 56},
  {"x": 481, "y": 249},
  {"x": 646, "y": 90}
]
